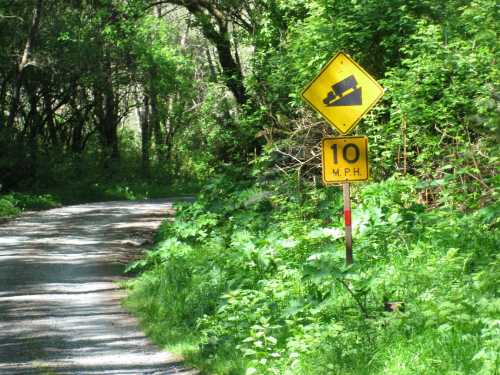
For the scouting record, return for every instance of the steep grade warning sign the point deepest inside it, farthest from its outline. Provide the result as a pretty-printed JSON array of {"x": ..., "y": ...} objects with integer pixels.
[
  {"x": 344, "y": 159},
  {"x": 343, "y": 92}
]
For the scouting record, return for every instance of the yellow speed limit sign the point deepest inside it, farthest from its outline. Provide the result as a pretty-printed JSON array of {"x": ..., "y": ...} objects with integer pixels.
[{"x": 345, "y": 159}]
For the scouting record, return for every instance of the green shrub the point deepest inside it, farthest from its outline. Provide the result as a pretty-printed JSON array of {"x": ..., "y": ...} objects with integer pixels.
[
  {"x": 35, "y": 202},
  {"x": 8, "y": 207},
  {"x": 14, "y": 203},
  {"x": 256, "y": 279}
]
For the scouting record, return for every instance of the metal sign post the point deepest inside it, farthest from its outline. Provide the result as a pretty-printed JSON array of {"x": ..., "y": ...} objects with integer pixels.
[
  {"x": 345, "y": 160},
  {"x": 348, "y": 223},
  {"x": 343, "y": 93}
]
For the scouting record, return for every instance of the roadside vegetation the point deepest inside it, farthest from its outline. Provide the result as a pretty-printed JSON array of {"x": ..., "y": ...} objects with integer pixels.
[
  {"x": 251, "y": 278},
  {"x": 13, "y": 204},
  {"x": 256, "y": 283},
  {"x": 133, "y": 99}
]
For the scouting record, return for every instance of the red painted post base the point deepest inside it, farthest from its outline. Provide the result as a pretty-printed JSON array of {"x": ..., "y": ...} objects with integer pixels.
[{"x": 348, "y": 223}]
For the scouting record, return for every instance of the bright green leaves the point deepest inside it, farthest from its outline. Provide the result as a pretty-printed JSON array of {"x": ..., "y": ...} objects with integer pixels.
[
  {"x": 442, "y": 110},
  {"x": 258, "y": 270},
  {"x": 155, "y": 52},
  {"x": 260, "y": 274}
]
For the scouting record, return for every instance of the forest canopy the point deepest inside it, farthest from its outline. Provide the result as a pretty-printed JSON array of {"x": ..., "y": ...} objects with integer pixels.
[
  {"x": 181, "y": 86},
  {"x": 105, "y": 99}
]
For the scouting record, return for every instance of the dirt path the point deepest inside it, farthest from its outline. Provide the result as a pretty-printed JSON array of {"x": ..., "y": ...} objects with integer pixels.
[{"x": 60, "y": 307}]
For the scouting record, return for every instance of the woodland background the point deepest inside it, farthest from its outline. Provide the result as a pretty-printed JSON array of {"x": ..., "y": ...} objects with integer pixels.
[{"x": 108, "y": 99}]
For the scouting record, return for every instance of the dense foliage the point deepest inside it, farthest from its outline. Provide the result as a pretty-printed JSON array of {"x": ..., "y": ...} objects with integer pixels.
[
  {"x": 93, "y": 94},
  {"x": 256, "y": 283},
  {"x": 105, "y": 99},
  {"x": 14, "y": 203},
  {"x": 250, "y": 279},
  {"x": 172, "y": 91}
]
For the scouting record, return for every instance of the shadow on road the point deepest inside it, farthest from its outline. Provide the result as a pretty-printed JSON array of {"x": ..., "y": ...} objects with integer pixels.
[{"x": 60, "y": 309}]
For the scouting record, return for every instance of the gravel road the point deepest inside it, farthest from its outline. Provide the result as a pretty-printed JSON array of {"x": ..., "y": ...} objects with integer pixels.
[{"x": 60, "y": 309}]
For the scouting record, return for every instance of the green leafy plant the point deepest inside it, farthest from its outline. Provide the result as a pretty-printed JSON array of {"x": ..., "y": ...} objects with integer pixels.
[{"x": 261, "y": 273}]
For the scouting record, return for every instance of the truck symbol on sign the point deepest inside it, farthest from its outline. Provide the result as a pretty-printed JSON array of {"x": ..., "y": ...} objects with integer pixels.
[{"x": 336, "y": 97}]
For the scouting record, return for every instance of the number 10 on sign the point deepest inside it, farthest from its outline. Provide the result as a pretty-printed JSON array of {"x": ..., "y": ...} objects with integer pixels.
[{"x": 345, "y": 159}]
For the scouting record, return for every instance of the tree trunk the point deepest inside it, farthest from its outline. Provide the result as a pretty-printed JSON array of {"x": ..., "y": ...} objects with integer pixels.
[
  {"x": 215, "y": 29},
  {"x": 144, "y": 121},
  {"x": 213, "y": 72},
  {"x": 49, "y": 112},
  {"x": 78, "y": 126},
  {"x": 233, "y": 76},
  {"x": 111, "y": 125},
  {"x": 23, "y": 63},
  {"x": 3, "y": 92},
  {"x": 77, "y": 135},
  {"x": 158, "y": 137},
  {"x": 107, "y": 117}
]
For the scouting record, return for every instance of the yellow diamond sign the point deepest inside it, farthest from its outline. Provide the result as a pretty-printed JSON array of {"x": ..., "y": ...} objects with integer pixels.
[{"x": 343, "y": 92}]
